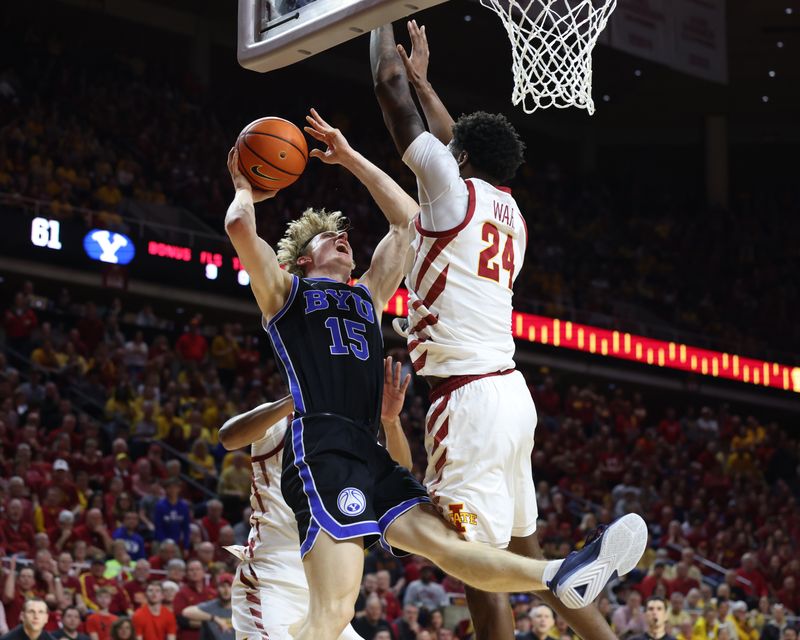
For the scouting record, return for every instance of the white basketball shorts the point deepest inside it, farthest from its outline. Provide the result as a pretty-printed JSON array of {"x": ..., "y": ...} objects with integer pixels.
[
  {"x": 270, "y": 596},
  {"x": 479, "y": 440}
]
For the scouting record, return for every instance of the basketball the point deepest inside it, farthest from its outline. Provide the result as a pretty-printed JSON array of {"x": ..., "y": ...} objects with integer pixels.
[{"x": 272, "y": 153}]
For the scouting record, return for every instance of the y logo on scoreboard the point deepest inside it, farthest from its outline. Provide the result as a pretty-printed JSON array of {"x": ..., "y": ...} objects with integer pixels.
[{"x": 109, "y": 246}]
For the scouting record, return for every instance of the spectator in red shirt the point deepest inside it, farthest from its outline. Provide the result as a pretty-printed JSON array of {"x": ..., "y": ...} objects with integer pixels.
[
  {"x": 69, "y": 583},
  {"x": 98, "y": 624},
  {"x": 152, "y": 621},
  {"x": 213, "y": 520},
  {"x": 391, "y": 606},
  {"x": 192, "y": 346},
  {"x": 648, "y": 585},
  {"x": 167, "y": 550},
  {"x": 91, "y": 328},
  {"x": 247, "y": 357},
  {"x": 193, "y": 592},
  {"x": 63, "y": 536},
  {"x": 17, "y": 533},
  {"x": 757, "y": 586},
  {"x": 46, "y": 514},
  {"x": 94, "y": 532},
  {"x": 19, "y": 321},
  {"x": 548, "y": 401},
  {"x": 94, "y": 580},
  {"x": 670, "y": 428},
  {"x": 682, "y": 583},
  {"x": 61, "y": 476},
  {"x": 18, "y": 589},
  {"x": 789, "y": 595},
  {"x": 91, "y": 460},
  {"x": 137, "y": 585}
]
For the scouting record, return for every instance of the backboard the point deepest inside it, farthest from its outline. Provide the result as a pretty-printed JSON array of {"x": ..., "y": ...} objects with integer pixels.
[{"x": 277, "y": 33}]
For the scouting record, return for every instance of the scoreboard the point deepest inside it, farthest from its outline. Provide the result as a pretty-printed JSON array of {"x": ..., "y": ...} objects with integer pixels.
[{"x": 209, "y": 263}]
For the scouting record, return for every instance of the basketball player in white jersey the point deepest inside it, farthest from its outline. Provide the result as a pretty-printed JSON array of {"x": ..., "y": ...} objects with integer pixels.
[
  {"x": 468, "y": 247},
  {"x": 270, "y": 593}
]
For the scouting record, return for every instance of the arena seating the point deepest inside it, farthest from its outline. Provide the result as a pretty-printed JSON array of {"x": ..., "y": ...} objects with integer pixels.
[
  {"x": 100, "y": 406},
  {"x": 647, "y": 258}
]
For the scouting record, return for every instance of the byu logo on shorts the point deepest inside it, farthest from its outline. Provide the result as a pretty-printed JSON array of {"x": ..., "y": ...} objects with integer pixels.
[{"x": 351, "y": 502}]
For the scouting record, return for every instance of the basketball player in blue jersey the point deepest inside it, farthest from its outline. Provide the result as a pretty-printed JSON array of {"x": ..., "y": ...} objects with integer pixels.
[
  {"x": 469, "y": 244},
  {"x": 343, "y": 487}
]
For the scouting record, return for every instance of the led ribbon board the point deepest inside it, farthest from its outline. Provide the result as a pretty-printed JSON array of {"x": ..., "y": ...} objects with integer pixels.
[{"x": 628, "y": 346}]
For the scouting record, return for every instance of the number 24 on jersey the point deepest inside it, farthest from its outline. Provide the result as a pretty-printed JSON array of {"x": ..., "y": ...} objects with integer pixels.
[{"x": 489, "y": 266}]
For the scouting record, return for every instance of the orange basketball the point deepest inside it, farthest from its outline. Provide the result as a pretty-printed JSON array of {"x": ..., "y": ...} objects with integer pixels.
[{"x": 272, "y": 153}]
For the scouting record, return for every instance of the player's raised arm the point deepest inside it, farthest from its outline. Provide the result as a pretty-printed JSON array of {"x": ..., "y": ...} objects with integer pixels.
[
  {"x": 440, "y": 122},
  {"x": 270, "y": 284},
  {"x": 394, "y": 393},
  {"x": 391, "y": 88},
  {"x": 246, "y": 428},
  {"x": 385, "y": 271},
  {"x": 398, "y": 207}
]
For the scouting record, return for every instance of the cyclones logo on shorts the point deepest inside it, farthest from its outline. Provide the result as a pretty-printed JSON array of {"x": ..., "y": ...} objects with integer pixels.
[
  {"x": 351, "y": 501},
  {"x": 459, "y": 518}
]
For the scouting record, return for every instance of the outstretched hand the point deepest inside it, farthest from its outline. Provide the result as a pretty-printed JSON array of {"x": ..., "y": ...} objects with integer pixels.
[
  {"x": 417, "y": 63},
  {"x": 240, "y": 181},
  {"x": 394, "y": 389},
  {"x": 338, "y": 149}
]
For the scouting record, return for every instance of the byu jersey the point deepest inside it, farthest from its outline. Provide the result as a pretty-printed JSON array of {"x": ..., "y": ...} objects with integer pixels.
[
  {"x": 272, "y": 523},
  {"x": 460, "y": 287},
  {"x": 328, "y": 339}
]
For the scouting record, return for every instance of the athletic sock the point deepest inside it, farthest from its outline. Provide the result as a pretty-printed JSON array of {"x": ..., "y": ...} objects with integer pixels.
[{"x": 550, "y": 570}]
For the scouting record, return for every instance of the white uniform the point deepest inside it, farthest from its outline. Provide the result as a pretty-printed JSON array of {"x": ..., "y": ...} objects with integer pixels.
[
  {"x": 479, "y": 430},
  {"x": 270, "y": 592}
]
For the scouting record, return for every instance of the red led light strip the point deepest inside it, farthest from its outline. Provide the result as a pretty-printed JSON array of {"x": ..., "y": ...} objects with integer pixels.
[{"x": 628, "y": 346}]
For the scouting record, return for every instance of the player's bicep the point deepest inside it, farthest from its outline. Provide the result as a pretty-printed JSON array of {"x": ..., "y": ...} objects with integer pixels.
[
  {"x": 443, "y": 195},
  {"x": 434, "y": 165}
]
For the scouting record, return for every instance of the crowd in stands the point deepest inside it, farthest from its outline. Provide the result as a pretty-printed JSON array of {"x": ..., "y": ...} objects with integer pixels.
[
  {"x": 88, "y": 131},
  {"x": 116, "y": 497}
]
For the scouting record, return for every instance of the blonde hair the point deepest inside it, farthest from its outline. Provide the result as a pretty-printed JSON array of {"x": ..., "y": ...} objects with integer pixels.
[{"x": 301, "y": 231}]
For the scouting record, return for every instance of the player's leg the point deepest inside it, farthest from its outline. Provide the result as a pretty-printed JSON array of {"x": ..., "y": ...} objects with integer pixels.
[
  {"x": 476, "y": 489},
  {"x": 264, "y": 603},
  {"x": 491, "y": 614},
  {"x": 350, "y": 634},
  {"x": 587, "y": 622},
  {"x": 333, "y": 570},
  {"x": 577, "y": 580},
  {"x": 421, "y": 531}
]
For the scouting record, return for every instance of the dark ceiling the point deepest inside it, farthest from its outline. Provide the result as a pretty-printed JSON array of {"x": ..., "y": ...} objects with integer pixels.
[{"x": 471, "y": 67}]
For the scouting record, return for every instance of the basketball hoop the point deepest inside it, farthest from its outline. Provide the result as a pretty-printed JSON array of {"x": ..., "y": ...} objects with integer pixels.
[{"x": 551, "y": 46}]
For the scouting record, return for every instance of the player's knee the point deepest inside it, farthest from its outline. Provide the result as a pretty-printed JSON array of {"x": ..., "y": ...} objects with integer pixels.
[
  {"x": 422, "y": 531},
  {"x": 333, "y": 615}
]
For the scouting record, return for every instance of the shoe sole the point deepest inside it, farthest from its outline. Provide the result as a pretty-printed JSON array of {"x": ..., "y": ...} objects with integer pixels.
[{"x": 621, "y": 548}]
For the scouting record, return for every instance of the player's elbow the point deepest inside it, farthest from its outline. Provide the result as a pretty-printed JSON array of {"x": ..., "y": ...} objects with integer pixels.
[
  {"x": 227, "y": 437},
  {"x": 238, "y": 224},
  {"x": 390, "y": 83}
]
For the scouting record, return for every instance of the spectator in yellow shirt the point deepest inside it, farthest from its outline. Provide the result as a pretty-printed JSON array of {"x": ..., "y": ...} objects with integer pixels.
[
  {"x": 706, "y": 626},
  {"x": 202, "y": 462}
]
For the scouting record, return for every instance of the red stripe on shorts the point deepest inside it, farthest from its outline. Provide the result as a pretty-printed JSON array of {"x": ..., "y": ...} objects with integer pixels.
[
  {"x": 436, "y": 413},
  {"x": 441, "y": 434},
  {"x": 441, "y": 461}
]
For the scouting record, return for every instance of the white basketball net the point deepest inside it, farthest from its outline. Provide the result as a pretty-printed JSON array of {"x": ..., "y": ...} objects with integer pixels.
[{"x": 551, "y": 46}]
